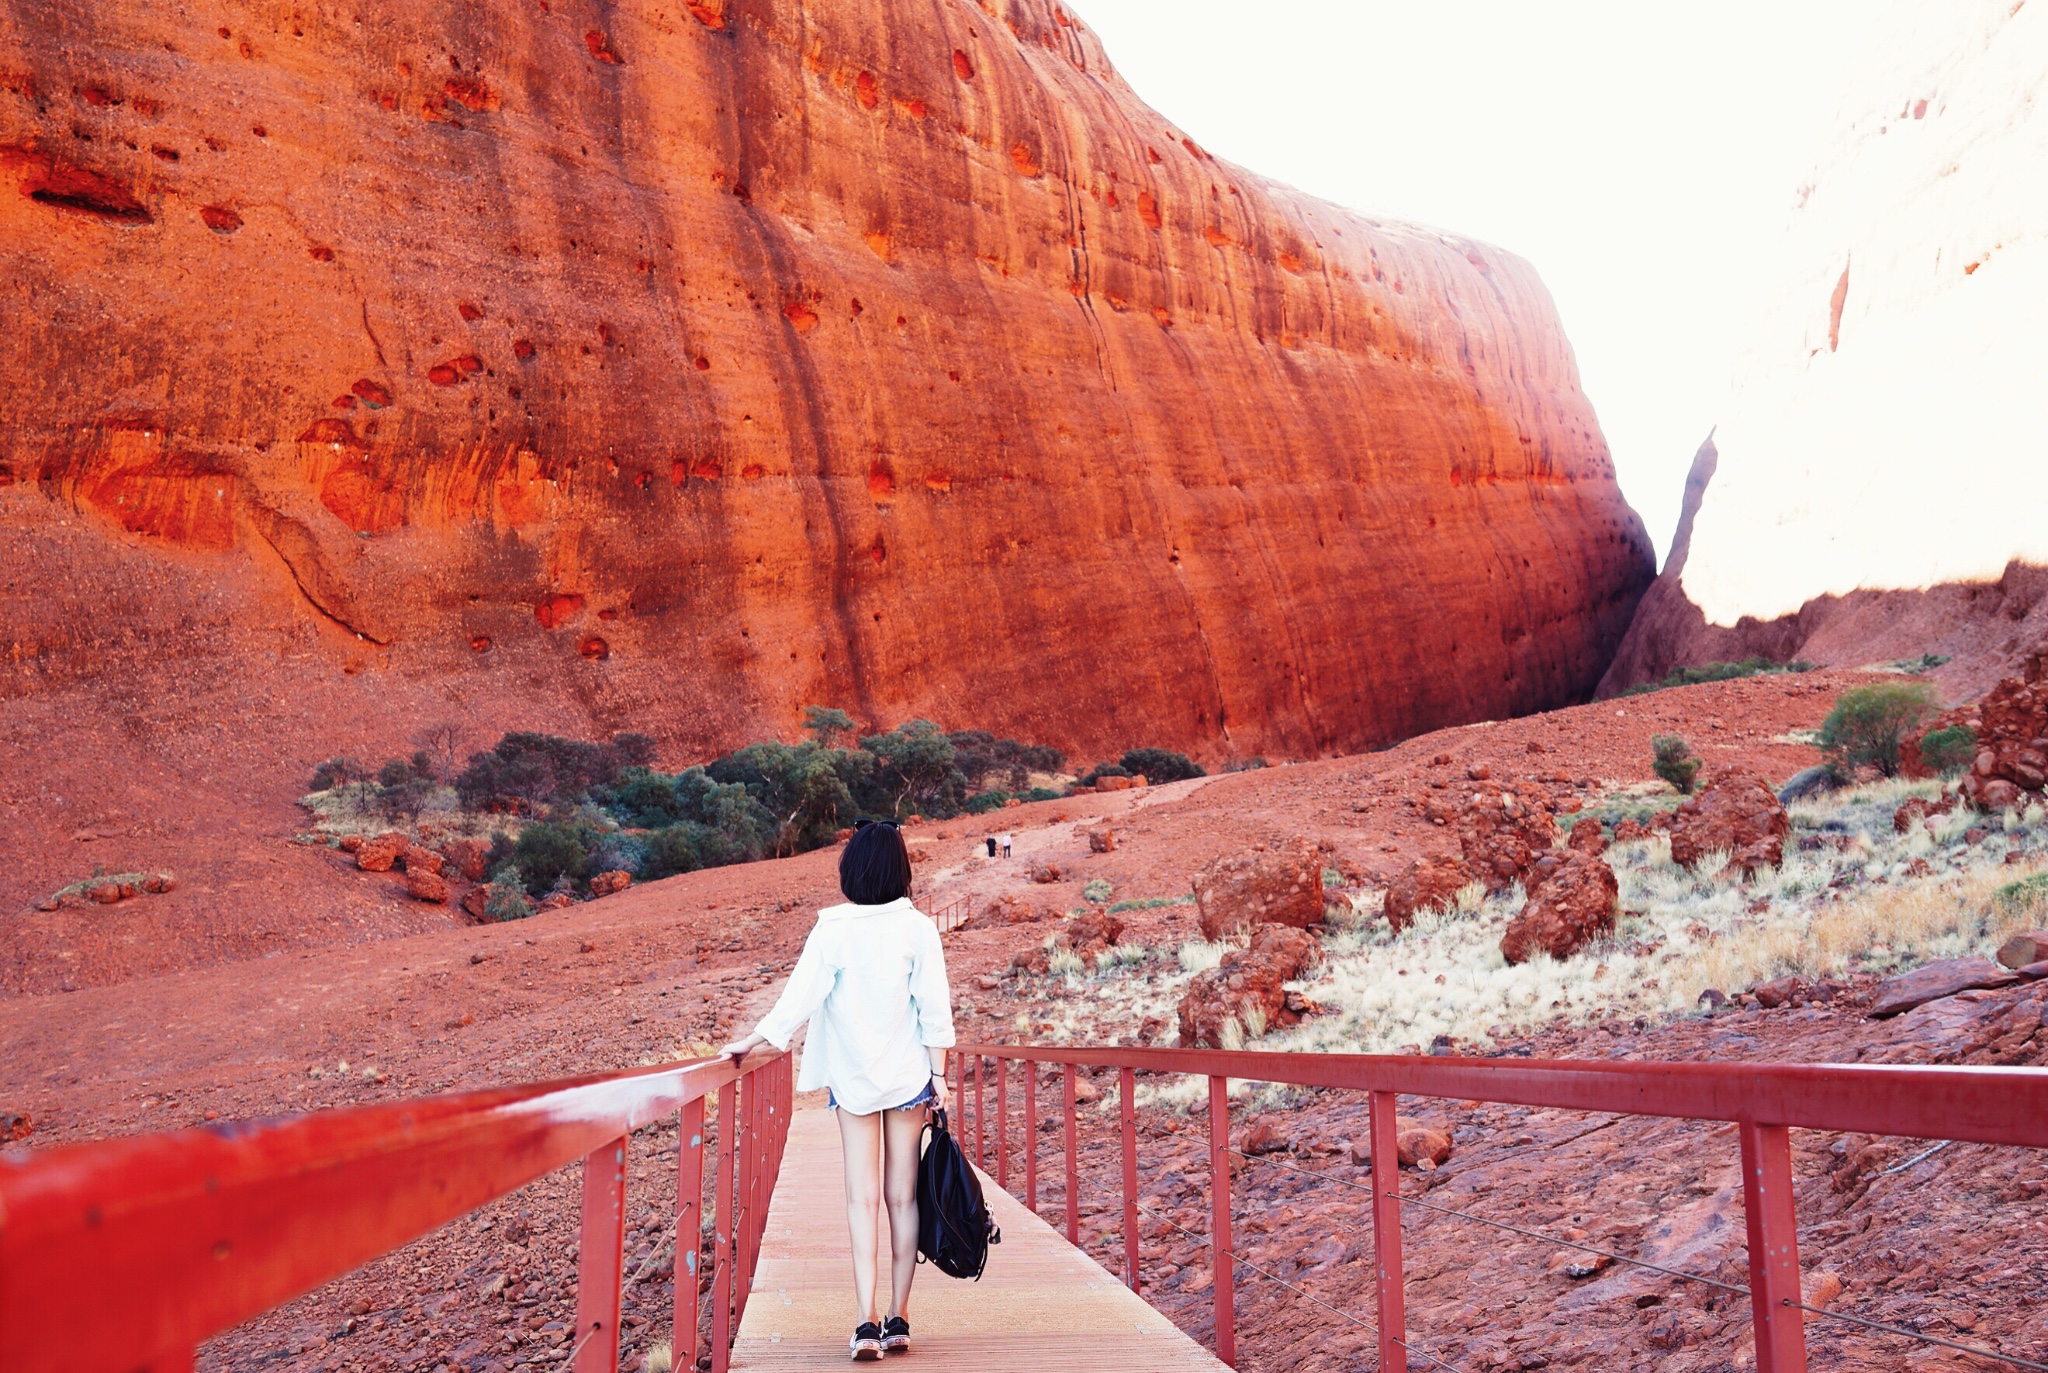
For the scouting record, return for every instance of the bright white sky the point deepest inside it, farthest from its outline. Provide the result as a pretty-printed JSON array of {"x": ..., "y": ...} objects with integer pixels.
[{"x": 1643, "y": 156}]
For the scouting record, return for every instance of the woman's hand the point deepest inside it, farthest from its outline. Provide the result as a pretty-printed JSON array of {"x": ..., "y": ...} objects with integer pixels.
[
  {"x": 740, "y": 1048},
  {"x": 939, "y": 1097}
]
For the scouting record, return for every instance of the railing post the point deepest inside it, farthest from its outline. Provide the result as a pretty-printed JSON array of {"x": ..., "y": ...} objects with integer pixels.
[
  {"x": 1386, "y": 1234},
  {"x": 1773, "y": 1223},
  {"x": 1073, "y": 1165},
  {"x": 601, "y": 1246},
  {"x": 1222, "y": 1255},
  {"x": 1003, "y": 1123},
  {"x": 1031, "y": 1134},
  {"x": 689, "y": 1231},
  {"x": 1126, "y": 1092},
  {"x": 723, "y": 1195},
  {"x": 980, "y": 1135}
]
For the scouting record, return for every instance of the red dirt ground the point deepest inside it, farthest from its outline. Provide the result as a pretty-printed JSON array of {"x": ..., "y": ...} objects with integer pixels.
[{"x": 643, "y": 975}]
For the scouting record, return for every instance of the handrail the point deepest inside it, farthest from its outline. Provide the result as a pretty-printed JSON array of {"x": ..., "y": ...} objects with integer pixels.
[
  {"x": 1766, "y": 1101},
  {"x": 126, "y": 1253}
]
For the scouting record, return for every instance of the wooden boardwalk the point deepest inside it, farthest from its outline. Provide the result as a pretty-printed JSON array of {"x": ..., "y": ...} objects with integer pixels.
[{"x": 1042, "y": 1302}]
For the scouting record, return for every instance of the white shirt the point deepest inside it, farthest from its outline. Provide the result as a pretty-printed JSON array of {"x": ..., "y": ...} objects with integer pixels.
[{"x": 872, "y": 983}]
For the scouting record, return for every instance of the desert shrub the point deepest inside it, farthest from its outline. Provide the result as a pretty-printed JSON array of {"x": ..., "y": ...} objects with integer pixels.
[
  {"x": 2027, "y": 894},
  {"x": 1718, "y": 672},
  {"x": 1097, "y": 891},
  {"x": 1949, "y": 751},
  {"x": 1100, "y": 771},
  {"x": 546, "y": 853},
  {"x": 1040, "y": 794},
  {"x": 1867, "y": 723},
  {"x": 1675, "y": 762},
  {"x": 335, "y": 772},
  {"x": 506, "y": 898},
  {"x": 1158, "y": 765},
  {"x": 615, "y": 852},
  {"x": 981, "y": 756},
  {"x": 986, "y": 802}
]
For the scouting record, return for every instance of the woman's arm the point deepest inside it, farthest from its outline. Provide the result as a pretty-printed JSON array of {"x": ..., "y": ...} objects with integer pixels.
[
  {"x": 932, "y": 998},
  {"x": 938, "y": 1057}
]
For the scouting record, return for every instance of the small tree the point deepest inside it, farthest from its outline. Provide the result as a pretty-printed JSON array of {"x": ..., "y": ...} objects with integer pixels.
[
  {"x": 1949, "y": 751},
  {"x": 335, "y": 772},
  {"x": 1158, "y": 765},
  {"x": 1675, "y": 762},
  {"x": 825, "y": 724},
  {"x": 442, "y": 745},
  {"x": 1867, "y": 724}
]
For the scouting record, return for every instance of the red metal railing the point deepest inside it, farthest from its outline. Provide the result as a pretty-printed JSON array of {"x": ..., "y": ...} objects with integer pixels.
[
  {"x": 1766, "y": 1101},
  {"x": 122, "y": 1256},
  {"x": 950, "y": 916}
]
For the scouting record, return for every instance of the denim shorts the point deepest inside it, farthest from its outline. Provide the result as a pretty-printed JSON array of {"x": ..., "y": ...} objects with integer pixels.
[{"x": 923, "y": 1098}]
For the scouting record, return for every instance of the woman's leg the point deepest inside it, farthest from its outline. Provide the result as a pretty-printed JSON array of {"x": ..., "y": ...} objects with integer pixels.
[
  {"x": 861, "y": 1138},
  {"x": 899, "y": 1184}
]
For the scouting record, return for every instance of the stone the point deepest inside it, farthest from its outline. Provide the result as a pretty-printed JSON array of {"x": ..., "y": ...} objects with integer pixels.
[
  {"x": 1415, "y": 1143},
  {"x": 1736, "y": 813},
  {"x": 1247, "y": 985},
  {"x": 1915, "y": 809},
  {"x": 422, "y": 884},
  {"x": 16, "y": 1126},
  {"x": 1933, "y": 981},
  {"x": 1779, "y": 991},
  {"x": 382, "y": 853},
  {"x": 605, "y": 883},
  {"x": 349, "y": 843},
  {"x": 1569, "y": 911},
  {"x": 839, "y": 223},
  {"x": 1264, "y": 1134},
  {"x": 1112, "y": 784},
  {"x": 1587, "y": 837},
  {"x": 106, "y": 893},
  {"x": 1093, "y": 931},
  {"x": 1278, "y": 886},
  {"x": 1045, "y": 873},
  {"x": 157, "y": 883},
  {"x": 417, "y": 859},
  {"x": 466, "y": 857},
  {"x": 1426, "y": 884},
  {"x": 2023, "y": 950},
  {"x": 1007, "y": 909},
  {"x": 1102, "y": 839},
  {"x": 475, "y": 902},
  {"x": 988, "y": 982},
  {"x": 555, "y": 901},
  {"x": 1502, "y": 831},
  {"x": 1628, "y": 831}
]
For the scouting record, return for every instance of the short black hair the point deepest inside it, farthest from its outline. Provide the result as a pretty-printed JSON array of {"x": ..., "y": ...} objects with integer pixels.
[{"x": 875, "y": 867}]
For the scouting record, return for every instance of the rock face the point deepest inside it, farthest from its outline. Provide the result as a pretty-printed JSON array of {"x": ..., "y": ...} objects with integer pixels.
[
  {"x": 680, "y": 366},
  {"x": 1737, "y": 814},
  {"x": 1279, "y": 886},
  {"x": 1573, "y": 907},
  {"x": 1901, "y": 323},
  {"x": 1247, "y": 986}
]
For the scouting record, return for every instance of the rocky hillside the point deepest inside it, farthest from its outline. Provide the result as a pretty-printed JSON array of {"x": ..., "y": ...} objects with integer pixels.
[
  {"x": 1843, "y": 510},
  {"x": 675, "y": 367}
]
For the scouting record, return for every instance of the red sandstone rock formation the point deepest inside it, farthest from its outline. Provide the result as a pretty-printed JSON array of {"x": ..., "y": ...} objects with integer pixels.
[
  {"x": 695, "y": 365},
  {"x": 1426, "y": 884},
  {"x": 1737, "y": 814},
  {"x": 1247, "y": 986},
  {"x": 1281, "y": 886},
  {"x": 1573, "y": 906}
]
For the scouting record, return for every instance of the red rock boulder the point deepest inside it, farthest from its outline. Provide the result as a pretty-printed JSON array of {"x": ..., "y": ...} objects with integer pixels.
[
  {"x": 1248, "y": 987},
  {"x": 1568, "y": 911},
  {"x": 382, "y": 853},
  {"x": 555, "y": 901},
  {"x": 1916, "y": 809},
  {"x": 1278, "y": 886},
  {"x": 2011, "y": 723},
  {"x": 417, "y": 859},
  {"x": 1738, "y": 814},
  {"x": 1502, "y": 831},
  {"x": 1587, "y": 837},
  {"x": 1093, "y": 931},
  {"x": 1102, "y": 839},
  {"x": 1425, "y": 884},
  {"x": 466, "y": 857},
  {"x": 605, "y": 883},
  {"x": 1628, "y": 831},
  {"x": 424, "y": 885},
  {"x": 475, "y": 902}
]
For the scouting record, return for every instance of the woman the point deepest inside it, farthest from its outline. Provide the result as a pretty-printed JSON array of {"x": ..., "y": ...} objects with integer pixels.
[{"x": 872, "y": 983}]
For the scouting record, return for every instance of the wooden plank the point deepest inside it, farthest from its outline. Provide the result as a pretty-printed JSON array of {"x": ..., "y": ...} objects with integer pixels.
[{"x": 1037, "y": 1284}]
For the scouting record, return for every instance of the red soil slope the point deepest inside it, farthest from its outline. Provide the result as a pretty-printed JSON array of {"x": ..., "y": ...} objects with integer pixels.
[{"x": 675, "y": 367}]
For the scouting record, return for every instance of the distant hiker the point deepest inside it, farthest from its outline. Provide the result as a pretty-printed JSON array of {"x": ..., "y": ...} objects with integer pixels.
[
  {"x": 872, "y": 983},
  {"x": 991, "y": 846},
  {"x": 1006, "y": 843}
]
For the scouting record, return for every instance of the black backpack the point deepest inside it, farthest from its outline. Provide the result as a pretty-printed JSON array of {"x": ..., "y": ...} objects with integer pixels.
[{"x": 954, "y": 1228}]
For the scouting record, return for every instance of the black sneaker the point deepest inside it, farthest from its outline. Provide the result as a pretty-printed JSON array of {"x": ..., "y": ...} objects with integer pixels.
[
  {"x": 895, "y": 1336},
  {"x": 866, "y": 1343}
]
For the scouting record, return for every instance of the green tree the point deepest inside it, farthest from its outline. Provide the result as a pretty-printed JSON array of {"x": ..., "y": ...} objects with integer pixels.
[
  {"x": 826, "y": 724},
  {"x": 1675, "y": 762},
  {"x": 546, "y": 853},
  {"x": 1157, "y": 765},
  {"x": 915, "y": 771},
  {"x": 1868, "y": 722}
]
